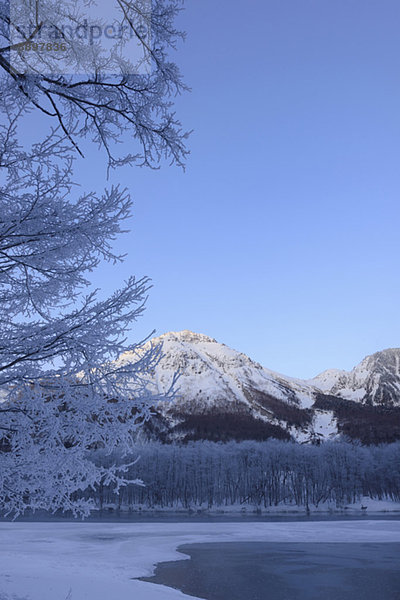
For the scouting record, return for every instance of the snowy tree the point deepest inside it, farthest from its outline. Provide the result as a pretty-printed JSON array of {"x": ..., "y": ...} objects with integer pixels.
[
  {"x": 78, "y": 93},
  {"x": 63, "y": 393}
]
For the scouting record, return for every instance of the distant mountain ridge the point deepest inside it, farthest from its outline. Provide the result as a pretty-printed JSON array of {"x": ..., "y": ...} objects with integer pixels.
[
  {"x": 222, "y": 394},
  {"x": 375, "y": 381}
]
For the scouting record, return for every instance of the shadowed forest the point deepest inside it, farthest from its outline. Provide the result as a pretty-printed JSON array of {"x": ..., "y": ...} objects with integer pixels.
[{"x": 258, "y": 474}]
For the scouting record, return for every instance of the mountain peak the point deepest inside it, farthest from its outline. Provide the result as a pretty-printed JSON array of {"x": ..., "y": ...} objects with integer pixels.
[
  {"x": 375, "y": 380},
  {"x": 389, "y": 355},
  {"x": 221, "y": 394},
  {"x": 186, "y": 336}
]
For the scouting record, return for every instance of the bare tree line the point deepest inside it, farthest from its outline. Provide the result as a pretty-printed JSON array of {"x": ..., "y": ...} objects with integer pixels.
[{"x": 262, "y": 474}]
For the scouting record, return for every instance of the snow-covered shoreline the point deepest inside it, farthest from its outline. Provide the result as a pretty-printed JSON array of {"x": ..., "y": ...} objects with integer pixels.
[
  {"x": 48, "y": 561},
  {"x": 364, "y": 506}
]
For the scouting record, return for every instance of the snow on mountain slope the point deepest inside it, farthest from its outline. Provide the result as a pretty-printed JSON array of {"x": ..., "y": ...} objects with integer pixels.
[
  {"x": 329, "y": 379},
  {"x": 375, "y": 381},
  {"x": 210, "y": 371},
  {"x": 222, "y": 394},
  {"x": 218, "y": 381}
]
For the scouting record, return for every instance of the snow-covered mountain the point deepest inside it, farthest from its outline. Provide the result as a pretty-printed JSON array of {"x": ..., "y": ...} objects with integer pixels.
[
  {"x": 375, "y": 381},
  {"x": 222, "y": 394}
]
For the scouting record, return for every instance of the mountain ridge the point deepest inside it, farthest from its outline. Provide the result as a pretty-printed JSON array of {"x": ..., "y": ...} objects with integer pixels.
[
  {"x": 375, "y": 380},
  {"x": 223, "y": 394}
]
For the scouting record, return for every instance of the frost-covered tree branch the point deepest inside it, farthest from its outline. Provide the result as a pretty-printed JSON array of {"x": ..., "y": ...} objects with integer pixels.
[
  {"x": 63, "y": 392},
  {"x": 96, "y": 104}
]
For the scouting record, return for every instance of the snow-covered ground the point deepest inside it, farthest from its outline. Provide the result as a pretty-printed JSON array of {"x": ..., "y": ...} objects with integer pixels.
[
  {"x": 100, "y": 561},
  {"x": 371, "y": 507}
]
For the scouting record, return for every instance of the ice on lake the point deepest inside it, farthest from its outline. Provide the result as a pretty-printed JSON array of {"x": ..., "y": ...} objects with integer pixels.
[{"x": 99, "y": 561}]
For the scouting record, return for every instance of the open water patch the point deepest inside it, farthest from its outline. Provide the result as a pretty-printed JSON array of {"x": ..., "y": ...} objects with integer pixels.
[{"x": 285, "y": 571}]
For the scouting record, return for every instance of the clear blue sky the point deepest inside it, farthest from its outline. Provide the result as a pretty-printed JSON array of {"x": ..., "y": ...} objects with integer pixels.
[{"x": 281, "y": 239}]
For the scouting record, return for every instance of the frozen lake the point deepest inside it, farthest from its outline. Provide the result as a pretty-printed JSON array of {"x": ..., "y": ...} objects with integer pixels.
[
  {"x": 102, "y": 561},
  {"x": 299, "y": 571}
]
